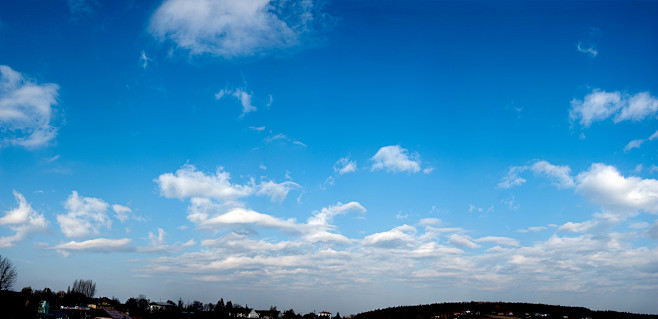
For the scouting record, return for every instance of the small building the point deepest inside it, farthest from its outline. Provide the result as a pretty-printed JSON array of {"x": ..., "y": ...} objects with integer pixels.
[{"x": 324, "y": 314}]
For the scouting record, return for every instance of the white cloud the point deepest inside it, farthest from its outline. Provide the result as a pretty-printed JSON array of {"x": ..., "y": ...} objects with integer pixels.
[
  {"x": 233, "y": 28},
  {"x": 241, "y": 95},
  {"x": 600, "y": 105},
  {"x": 638, "y": 142},
  {"x": 587, "y": 48},
  {"x": 245, "y": 217},
  {"x": 532, "y": 229},
  {"x": 512, "y": 178},
  {"x": 22, "y": 220},
  {"x": 325, "y": 215},
  {"x": 633, "y": 144},
  {"x": 122, "y": 212},
  {"x": 276, "y": 192},
  {"x": 144, "y": 60},
  {"x": 505, "y": 241},
  {"x": 99, "y": 245},
  {"x": 462, "y": 241},
  {"x": 84, "y": 217},
  {"x": 605, "y": 186},
  {"x": 395, "y": 159},
  {"x": 560, "y": 174},
  {"x": 26, "y": 110},
  {"x": 398, "y": 237},
  {"x": 473, "y": 208},
  {"x": 285, "y": 138},
  {"x": 344, "y": 166},
  {"x": 187, "y": 182},
  {"x": 157, "y": 243}
]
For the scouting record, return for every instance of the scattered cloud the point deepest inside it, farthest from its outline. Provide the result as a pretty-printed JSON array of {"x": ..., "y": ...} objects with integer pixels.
[
  {"x": 283, "y": 138},
  {"x": 26, "y": 110},
  {"x": 638, "y": 143},
  {"x": 22, "y": 220},
  {"x": 276, "y": 192},
  {"x": 241, "y": 95},
  {"x": 98, "y": 245},
  {"x": 600, "y": 105},
  {"x": 187, "y": 182},
  {"x": 462, "y": 241},
  {"x": 559, "y": 174},
  {"x": 589, "y": 44},
  {"x": 122, "y": 212},
  {"x": 395, "y": 159},
  {"x": 84, "y": 216},
  {"x": 605, "y": 186},
  {"x": 344, "y": 165},
  {"x": 144, "y": 60},
  {"x": 234, "y": 28}
]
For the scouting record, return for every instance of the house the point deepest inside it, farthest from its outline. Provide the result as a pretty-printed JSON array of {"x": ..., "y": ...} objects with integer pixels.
[
  {"x": 159, "y": 306},
  {"x": 324, "y": 314},
  {"x": 268, "y": 314}
]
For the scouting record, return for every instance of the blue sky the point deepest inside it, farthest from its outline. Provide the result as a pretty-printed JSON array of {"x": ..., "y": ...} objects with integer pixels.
[{"x": 332, "y": 155}]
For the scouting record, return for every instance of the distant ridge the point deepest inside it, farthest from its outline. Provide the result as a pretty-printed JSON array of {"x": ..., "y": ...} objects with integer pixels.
[{"x": 495, "y": 310}]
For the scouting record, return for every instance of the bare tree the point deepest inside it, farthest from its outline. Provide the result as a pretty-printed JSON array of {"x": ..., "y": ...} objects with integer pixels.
[
  {"x": 8, "y": 273},
  {"x": 85, "y": 287}
]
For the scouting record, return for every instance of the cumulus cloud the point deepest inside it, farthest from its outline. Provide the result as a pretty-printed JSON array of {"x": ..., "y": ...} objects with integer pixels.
[
  {"x": 22, "y": 220},
  {"x": 98, "y": 245},
  {"x": 188, "y": 182},
  {"x": 85, "y": 216},
  {"x": 600, "y": 105},
  {"x": 26, "y": 110},
  {"x": 344, "y": 165},
  {"x": 247, "y": 218},
  {"x": 395, "y": 159},
  {"x": 398, "y": 237},
  {"x": 233, "y": 28},
  {"x": 605, "y": 186}
]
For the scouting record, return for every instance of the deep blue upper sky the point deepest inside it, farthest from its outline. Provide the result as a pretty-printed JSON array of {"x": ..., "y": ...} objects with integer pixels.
[{"x": 346, "y": 155}]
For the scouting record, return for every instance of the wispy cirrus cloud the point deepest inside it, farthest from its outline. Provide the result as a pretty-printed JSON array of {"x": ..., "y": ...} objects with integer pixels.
[
  {"x": 559, "y": 174},
  {"x": 234, "y": 28},
  {"x": 26, "y": 110},
  {"x": 638, "y": 142}
]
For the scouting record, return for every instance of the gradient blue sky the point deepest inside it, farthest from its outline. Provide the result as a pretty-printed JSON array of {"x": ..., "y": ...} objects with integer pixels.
[{"x": 333, "y": 155}]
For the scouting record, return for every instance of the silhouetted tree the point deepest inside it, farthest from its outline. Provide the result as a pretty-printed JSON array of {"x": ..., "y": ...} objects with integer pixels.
[
  {"x": 337, "y": 316},
  {"x": 289, "y": 314},
  {"x": 85, "y": 287},
  {"x": 8, "y": 273},
  {"x": 27, "y": 290}
]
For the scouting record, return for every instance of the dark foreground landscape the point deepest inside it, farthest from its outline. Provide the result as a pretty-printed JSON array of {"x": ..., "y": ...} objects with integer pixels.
[{"x": 74, "y": 304}]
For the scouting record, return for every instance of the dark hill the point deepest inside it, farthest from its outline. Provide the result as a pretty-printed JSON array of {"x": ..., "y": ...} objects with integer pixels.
[{"x": 495, "y": 310}]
